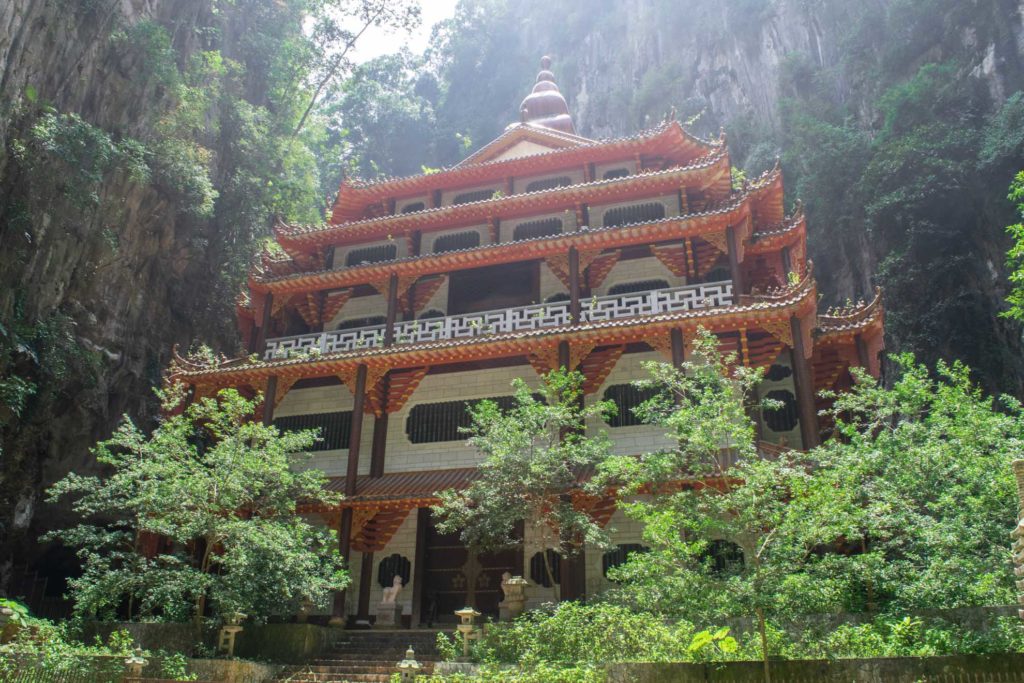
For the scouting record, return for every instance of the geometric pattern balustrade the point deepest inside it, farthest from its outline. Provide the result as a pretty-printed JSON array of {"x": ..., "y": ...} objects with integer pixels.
[{"x": 509, "y": 320}]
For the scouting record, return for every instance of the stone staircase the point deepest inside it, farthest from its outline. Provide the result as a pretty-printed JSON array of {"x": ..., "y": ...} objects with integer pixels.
[{"x": 366, "y": 657}]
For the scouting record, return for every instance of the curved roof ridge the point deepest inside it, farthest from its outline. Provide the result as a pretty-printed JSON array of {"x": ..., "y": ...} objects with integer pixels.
[{"x": 292, "y": 230}]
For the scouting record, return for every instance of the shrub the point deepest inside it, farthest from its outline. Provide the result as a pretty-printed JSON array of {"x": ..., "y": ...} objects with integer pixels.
[{"x": 585, "y": 634}]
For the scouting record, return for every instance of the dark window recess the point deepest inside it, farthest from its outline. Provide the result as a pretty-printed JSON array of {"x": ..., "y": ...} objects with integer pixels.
[
  {"x": 432, "y": 313},
  {"x": 634, "y": 287},
  {"x": 777, "y": 373},
  {"x": 434, "y": 422},
  {"x": 415, "y": 206},
  {"x": 459, "y": 240},
  {"x": 392, "y": 566},
  {"x": 618, "y": 556},
  {"x": 726, "y": 557},
  {"x": 557, "y": 298},
  {"x": 334, "y": 428},
  {"x": 719, "y": 274},
  {"x": 626, "y": 397},
  {"x": 534, "y": 229},
  {"x": 785, "y": 418},
  {"x": 381, "y": 252},
  {"x": 615, "y": 173},
  {"x": 354, "y": 323},
  {"x": 539, "y": 573},
  {"x": 474, "y": 196},
  {"x": 635, "y": 213},
  {"x": 549, "y": 183}
]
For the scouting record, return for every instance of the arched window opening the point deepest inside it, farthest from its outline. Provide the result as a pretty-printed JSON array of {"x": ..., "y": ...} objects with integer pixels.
[
  {"x": 375, "y": 254},
  {"x": 777, "y": 373},
  {"x": 549, "y": 183},
  {"x": 334, "y": 428},
  {"x": 474, "y": 196},
  {"x": 626, "y": 398},
  {"x": 539, "y": 573},
  {"x": 392, "y": 566},
  {"x": 415, "y": 206},
  {"x": 444, "y": 421},
  {"x": 534, "y": 229},
  {"x": 558, "y": 297},
  {"x": 784, "y": 418},
  {"x": 726, "y": 557},
  {"x": 635, "y": 213},
  {"x": 456, "y": 241},
  {"x": 615, "y": 173},
  {"x": 618, "y": 555}
]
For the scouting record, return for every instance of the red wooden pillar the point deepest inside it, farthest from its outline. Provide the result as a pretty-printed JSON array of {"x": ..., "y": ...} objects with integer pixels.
[
  {"x": 351, "y": 472},
  {"x": 804, "y": 385},
  {"x": 574, "y": 285},
  {"x": 734, "y": 264}
]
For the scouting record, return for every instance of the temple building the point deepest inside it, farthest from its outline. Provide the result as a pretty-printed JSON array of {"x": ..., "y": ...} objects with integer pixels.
[{"x": 541, "y": 249}]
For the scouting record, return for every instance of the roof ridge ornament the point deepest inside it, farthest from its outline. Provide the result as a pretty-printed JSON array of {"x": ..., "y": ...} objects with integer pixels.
[{"x": 545, "y": 105}]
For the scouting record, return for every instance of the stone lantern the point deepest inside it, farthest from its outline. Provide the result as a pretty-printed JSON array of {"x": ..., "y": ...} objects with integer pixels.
[
  {"x": 135, "y": 663},
  {"x": 409, "y": 668},
  {"x": 514, "y": 588},
  {"x": 232, "y": 626},
  {"x": 467, "y": 616}
]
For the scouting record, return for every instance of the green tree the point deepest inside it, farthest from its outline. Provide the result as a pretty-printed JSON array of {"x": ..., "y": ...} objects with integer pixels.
[
  {"x": 1015, "y": 256},
  {"x": 221, "y": 489},
  {"x": 921, "y": 471},
  {"x": 714, "y": 487},
  {"x": 534, "y": 453}
]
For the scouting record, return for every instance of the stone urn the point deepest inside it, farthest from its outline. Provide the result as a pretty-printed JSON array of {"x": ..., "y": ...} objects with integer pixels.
[{"x": 514, "y": 588}]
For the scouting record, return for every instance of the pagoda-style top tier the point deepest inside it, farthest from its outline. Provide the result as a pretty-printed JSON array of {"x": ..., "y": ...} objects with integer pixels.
[{"x": 545, "y": 106}]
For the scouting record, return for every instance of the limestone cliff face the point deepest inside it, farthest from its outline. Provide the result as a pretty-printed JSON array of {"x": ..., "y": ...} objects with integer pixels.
[
  {"x": 93, "y": 293},
  {"x": 623, "y": 65}
]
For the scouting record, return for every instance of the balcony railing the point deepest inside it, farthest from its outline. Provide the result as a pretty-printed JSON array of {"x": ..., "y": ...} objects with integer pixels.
[{"x": 521, "y": 319}]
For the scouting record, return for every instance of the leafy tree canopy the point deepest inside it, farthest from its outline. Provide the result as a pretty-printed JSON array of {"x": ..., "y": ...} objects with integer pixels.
[{"x": 221, "y": 490}]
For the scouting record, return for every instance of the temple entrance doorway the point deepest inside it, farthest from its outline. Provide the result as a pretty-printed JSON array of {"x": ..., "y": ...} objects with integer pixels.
[{"x": 454, "y": 577}]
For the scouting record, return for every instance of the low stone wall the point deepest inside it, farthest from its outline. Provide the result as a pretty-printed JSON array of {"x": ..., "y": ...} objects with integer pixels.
[
  {"x": 150, "y": 636},
  {"x": 285, "y": 643},
  {"x": 954, "y": 668},
  {"x": 233, "y": 670}
]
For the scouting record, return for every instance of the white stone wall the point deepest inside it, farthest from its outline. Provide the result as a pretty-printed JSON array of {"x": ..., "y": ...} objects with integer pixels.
[
  {"x": 638, "y": 438},
  {"x": 623, "y": 530},
  {"x": 669, "y": 201},
  {"x": 439, "y": 301},
  {"x": 405, "y": 456},
  {"x": 522, "y": 149},
  {"x": 575, "y": 176},
  {"x": 448, "y": 195},
  {"x": 402, "y": 203},
  {"x": 792, "y": 437},
  {"x": 627, "y": 164},
  {"x": 638, "y": 270},
  {"x": 328, "y": 400},
  {"x": 403, "y": 543},
  {"x": 341, "y": 252},
  {"x": 549, "y": 283},
  {"x": 359, "y": 307},
  {"x": 508, "y": 227}
]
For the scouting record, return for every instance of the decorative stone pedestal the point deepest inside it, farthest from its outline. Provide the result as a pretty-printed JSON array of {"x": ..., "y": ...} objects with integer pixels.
[
  {"x": 389, "y": 615},
  {"x": 514, "y": 588}
]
